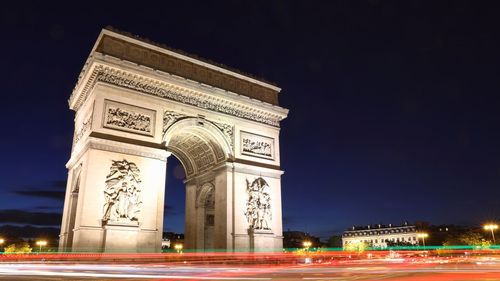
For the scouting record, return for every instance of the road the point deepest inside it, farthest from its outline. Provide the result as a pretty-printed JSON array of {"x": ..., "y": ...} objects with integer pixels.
[{"x": 484, "y": 268}]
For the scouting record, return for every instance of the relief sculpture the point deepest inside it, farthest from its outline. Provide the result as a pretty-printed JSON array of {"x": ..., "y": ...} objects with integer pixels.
[
  {"x": 125, "y": 80},
  {"x": 169, "y": 118},
  {"x": 82, "y": 130},
  {"x": 256, "y": 145},
  {"x": 122, "y": 193},
  {"x": 258, "y": 208},
  {"x": 227, "y": 130},
  {"x": 118, "y": 117}
]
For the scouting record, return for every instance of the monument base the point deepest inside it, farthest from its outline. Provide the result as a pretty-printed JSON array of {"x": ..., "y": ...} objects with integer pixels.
[
  {"x": 121, "y": 237},
  {"x": 261, "y": 240}
]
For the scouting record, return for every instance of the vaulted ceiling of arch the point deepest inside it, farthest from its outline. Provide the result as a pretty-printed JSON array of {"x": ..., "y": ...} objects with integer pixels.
[{"x": 198, "y": 153}]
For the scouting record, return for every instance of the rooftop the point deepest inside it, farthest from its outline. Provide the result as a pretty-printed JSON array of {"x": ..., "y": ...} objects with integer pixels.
[{"x": 141, "y": 51}]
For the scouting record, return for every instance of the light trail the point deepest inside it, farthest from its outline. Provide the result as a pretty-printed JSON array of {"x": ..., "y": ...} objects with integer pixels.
[
  {"x": 408, "y": 266},
  {"x": 58, "y": 273}
]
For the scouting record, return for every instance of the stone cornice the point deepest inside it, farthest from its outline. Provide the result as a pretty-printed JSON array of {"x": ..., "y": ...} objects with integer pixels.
[
  {"x": 118, "y": 147},
  {"x": 100, "y": 72}
]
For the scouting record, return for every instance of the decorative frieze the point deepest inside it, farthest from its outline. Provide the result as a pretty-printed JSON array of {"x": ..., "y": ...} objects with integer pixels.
[
  {"x": 257, "y": 145},
  {"x": 168, "y": 91},
  {"x": 84, "y": 128},
  {"x": 129, "y": 118},
  {"x": 258, "y": 207},
  {"x": 122, "y": 193}
]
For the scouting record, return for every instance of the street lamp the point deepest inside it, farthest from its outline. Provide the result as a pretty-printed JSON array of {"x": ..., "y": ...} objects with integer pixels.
[
  {"x": 178, "y": 247},
  {"x": 41, "y": 243},
  {"x": 307, "y": 244},
  {"x": 423, "y": 235},
  {"x": 492, "y": 228},
  {"x": 2, "y": 241}
]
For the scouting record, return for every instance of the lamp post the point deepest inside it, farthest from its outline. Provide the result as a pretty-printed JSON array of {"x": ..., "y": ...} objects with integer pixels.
[
  {"x": 423, "y": 235},
  {"x": 492, "y": 227},
  {"x": 2, "y": 241},
  {"x": 307, "y": 244},
  {"x": 41, "y": 243}
]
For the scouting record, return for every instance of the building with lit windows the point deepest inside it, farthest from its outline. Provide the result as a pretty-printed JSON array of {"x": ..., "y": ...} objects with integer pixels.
[{"x": 381, "y": 235}]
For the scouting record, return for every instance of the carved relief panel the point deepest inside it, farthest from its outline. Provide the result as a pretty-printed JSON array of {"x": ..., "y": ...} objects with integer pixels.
[
  {"x": 122, "y": 193},
  {"x": 257, "y": 145},
  {"x": 169, "y": 118},
  {"x": 258, "y": 206},
  {"x": 129, "y": 118},
  {"x": 82, "y": 129}
]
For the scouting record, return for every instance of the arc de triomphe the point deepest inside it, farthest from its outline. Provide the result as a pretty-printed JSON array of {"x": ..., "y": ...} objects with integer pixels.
[{"x": 137, "y": 103}]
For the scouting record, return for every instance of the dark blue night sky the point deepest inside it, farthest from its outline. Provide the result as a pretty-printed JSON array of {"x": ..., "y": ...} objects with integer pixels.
[{"x": 394, "y": 106}]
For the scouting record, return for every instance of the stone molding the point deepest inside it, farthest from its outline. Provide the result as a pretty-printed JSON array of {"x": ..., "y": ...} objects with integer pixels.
[
  {"x": 118, "y": 147},
  {"x": 257, "y": 171},
  {"x": 113, "y": 76}
]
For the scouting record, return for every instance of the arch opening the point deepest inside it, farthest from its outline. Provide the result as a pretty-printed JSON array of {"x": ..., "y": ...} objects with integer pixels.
[
  {"x": 198, "y": 144},
  {"x": 200, "y": 149}
]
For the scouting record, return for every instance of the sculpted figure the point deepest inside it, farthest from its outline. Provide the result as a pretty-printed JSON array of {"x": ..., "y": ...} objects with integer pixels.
[
  {"x": 258, "y": 210},
  {"x": 122, "y": 193}
]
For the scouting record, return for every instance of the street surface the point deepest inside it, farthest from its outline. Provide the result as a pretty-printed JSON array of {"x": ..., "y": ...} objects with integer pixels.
[{"x": 479, "y": 268}]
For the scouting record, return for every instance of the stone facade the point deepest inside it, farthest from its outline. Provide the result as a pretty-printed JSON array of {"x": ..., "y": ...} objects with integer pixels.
[
  {"x": 134, "y": 109},
  {"x": 379, "y": 236}
]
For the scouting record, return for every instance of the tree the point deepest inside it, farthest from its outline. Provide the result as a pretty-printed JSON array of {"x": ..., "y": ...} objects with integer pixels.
[
  {"x": 19, "y": 248},
  {"x": 470, "y": 238},
  {"x": 356, "y": 247},
  {"x": 334, "y": 242}
]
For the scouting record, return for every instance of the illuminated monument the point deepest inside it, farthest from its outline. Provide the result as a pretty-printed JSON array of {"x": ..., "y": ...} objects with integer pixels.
[{"x": 136, "y": 104}]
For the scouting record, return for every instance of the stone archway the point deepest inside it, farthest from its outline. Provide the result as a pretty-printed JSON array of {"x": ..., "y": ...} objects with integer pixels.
[
  {"x": 137, "y": 104},
  {"x": 205, "y": 217},
  {"x": 203, "y": 149}
]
